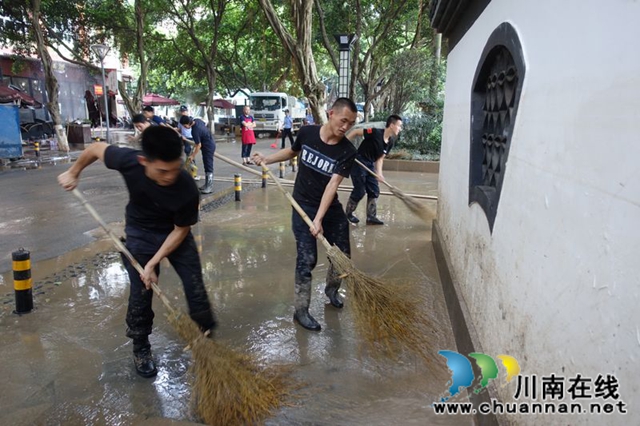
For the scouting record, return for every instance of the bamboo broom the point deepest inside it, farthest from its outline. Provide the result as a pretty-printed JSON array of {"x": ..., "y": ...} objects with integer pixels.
[
  {"x": 421, "y": 210},
  {"x": 229, "y": 388},
  {"x": 388, "y": 317}
]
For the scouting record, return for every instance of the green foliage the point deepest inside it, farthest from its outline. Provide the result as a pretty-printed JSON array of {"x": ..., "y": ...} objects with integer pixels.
[{"x": 421, "y": 136}]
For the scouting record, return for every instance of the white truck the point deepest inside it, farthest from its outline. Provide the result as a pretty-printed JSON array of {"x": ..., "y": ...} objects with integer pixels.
[{"x": 268, "y": 110}]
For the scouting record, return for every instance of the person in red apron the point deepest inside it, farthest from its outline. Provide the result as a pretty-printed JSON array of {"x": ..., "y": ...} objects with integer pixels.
[{"x": 248, "y": 137}]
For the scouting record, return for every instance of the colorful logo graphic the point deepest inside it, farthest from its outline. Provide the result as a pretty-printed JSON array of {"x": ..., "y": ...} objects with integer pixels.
[{"x": 462, "y": 375}]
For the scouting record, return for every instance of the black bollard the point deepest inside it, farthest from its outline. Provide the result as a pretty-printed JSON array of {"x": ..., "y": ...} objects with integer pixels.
[
  {"x": 282, "y": 165},
  {"x": 264, "y": 178},
  {"x": 237, "y": 182},
  {"x": 22, "y": 283}
]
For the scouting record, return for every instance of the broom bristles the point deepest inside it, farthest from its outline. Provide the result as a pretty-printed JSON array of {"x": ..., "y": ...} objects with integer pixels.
[
  {"x": 229, "y": 387},
  {"x": 389, "y": 318},
  {"x": 424, "y": 212}
]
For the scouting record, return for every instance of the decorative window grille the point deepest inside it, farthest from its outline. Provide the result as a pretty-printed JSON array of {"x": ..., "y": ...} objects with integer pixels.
[{"x": 495, "y": 97}]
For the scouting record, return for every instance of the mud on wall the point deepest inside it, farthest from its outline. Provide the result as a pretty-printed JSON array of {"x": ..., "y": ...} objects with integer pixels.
[{"x": 555, "y": 284}]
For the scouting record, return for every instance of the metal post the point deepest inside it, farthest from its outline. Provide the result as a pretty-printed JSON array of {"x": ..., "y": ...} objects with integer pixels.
[
  {"x": 264, "y": 178},
  {"x": 22, "y": 283},
  {"x": 294, "y": 164},
  {"x": 105, "y": 93},
  {"x": 237, "y": 182},
  {"x": 101, "y": 51},
  {"x": 282, "y": 166}
]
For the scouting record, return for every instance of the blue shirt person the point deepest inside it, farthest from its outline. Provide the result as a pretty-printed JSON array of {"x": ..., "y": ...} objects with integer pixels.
[{"x": 287, "y": 128}]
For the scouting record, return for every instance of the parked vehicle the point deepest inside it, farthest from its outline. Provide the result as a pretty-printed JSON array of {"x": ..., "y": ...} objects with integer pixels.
[{"x": 268, "y": 110}]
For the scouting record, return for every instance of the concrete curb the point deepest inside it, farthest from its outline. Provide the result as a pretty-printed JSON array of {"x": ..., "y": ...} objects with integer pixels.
[{"x": 411, "y": 166}]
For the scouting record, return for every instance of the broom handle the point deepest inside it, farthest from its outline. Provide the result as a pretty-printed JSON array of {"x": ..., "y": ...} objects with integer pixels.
[
  {"x": 121, "y": 247},
  {"x": 296, "y": 206},
  {"x": 238, "y": 165},
  {"x": 286, "y": 193},
  {"x": 374, "y": 174}
]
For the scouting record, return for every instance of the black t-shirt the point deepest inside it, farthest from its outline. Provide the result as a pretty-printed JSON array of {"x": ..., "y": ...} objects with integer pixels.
[
  {"x": 373, "y": 146},
  {"x": 200, "y": 133},
  {"x": 318, "y": 162},
  {"x": 152, "y": 206}
]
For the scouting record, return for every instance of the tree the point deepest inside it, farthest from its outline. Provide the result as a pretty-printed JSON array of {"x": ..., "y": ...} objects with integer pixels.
[
  {"x": 384, "y": 30},
  {"x": 201, "y": 22},
  {"x": 300, "y": 49},
  {"x": 28, "y": 35}
]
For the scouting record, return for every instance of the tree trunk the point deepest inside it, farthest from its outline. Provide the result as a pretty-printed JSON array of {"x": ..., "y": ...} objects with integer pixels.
[
  {"x": 51, "y": 83},
  {"x": 435, "y": 73},
  {"x": 355, "y": 54},
  {"x": 211, "y": 82},
  {"x": 301, "y": 50}
]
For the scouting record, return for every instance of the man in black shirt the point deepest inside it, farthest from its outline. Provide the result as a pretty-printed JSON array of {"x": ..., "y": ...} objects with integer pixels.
[
  {"x": 376, "y": 144},
  {"x": 204, "y": 140},
  {"x": 163, "y": 205},
  {"x": 325, "y": 157}
]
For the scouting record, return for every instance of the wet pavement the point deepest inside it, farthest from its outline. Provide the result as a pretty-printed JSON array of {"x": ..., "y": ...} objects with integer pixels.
[{"x": 68, "y": 362}]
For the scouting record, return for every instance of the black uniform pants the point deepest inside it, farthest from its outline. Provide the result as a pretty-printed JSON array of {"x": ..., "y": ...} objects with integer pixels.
[{"x": 143, "y": 244}]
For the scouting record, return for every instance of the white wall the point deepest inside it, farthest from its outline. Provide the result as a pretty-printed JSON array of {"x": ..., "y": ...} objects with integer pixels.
[{"x": 557, "y": 284}]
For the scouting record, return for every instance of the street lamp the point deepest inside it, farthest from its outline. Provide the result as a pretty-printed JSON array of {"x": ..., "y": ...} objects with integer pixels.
[
  {"x": 101, "y": 51},
  {"x": 345, "y": 41}
]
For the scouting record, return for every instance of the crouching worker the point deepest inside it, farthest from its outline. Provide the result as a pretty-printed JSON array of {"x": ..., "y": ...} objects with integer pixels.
[{"x": 163, "y": 205}]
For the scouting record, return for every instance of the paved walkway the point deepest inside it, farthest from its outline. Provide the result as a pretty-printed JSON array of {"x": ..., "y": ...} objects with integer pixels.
[{"x": 68, "y": 362}]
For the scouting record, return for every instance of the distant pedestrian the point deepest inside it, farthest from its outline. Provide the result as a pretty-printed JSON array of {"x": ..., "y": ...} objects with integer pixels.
[
  {"x": 376, "y": 144},
  {"x": 309, "y": 118},
  {"x": 204, "y": 141},
  {"x": 248, "y": 137},
  {"x": 287, "y": 128},
  {"x": 184, "y": 132},
  {"x": 149, "y": 112},
  {"x": 140, "y": 123}
]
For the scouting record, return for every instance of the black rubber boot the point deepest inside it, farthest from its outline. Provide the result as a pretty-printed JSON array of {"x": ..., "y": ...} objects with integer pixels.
[
  {"x": 332, "y": 287},
  {"x": 349, "y": 209},
  {"x": 208, "y": 184},
  {"x": 142, "y": 358},
  {"x": 372, "y": 212},
  {"x": 301, "y": 300}
]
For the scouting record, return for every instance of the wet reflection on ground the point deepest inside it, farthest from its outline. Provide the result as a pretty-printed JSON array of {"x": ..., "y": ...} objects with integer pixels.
[{"x": 70, "y": 363}]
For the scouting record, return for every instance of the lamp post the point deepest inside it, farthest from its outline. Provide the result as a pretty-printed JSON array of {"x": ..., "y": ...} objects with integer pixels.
[
  {"x": 101, "y": 51},
  {"x": 345, "y": 41}
]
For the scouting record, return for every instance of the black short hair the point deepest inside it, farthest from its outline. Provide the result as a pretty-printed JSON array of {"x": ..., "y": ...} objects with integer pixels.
[
  {"x": 148, "y": 108},
  {"x": 139, "y": 118},
  {"x": 161, "y": 143},
  {"x": 393, "y": 119},
  {"x": 185, "y": 119},
  {"x": 344, "y": 103}
]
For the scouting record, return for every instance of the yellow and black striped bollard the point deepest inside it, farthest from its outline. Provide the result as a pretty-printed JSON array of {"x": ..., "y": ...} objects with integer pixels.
[
  {"x": 22, "y": 283},
  {"x": 282, "y": 165},
  {"x": 294, "y": 164},
  {"x": 36, "y": 148},
  {"x": 237, "y": 185},
  {"x": 264, "y": 178}
]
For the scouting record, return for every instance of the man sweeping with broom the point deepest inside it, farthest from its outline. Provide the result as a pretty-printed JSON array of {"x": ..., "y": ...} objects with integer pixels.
[
  {"x": 376, "y": 144},
  {"x": 325, "y": 158},
  {"x": 163, "y": 205}
]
